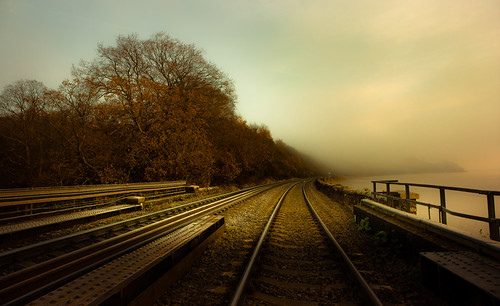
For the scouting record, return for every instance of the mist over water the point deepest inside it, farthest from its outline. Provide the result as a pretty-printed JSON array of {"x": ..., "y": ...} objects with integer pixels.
[
  {"x": 474, "y": 204},
  {"x": 487, "y": 179}
]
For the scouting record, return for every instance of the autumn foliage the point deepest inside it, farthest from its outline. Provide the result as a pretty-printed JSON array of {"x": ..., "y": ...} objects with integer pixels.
[{"x": 143, "y": 110}]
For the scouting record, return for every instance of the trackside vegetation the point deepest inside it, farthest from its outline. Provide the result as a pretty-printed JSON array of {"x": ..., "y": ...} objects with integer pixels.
[{"x": 142, "y": 110}]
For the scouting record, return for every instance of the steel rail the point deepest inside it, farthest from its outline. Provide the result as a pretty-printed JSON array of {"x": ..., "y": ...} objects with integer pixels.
[
  {"x": 34, "y": 213},
  {"x": 57, "y": 195},
  {"x": 24, "y": 285},
  {"x": 16, "y": 192},
  {"x": 365, "y": 288},
  {"x": 32, "y": 250},
  {"x": 251, "y": 263},
  {"x": 78, "y": 187}
]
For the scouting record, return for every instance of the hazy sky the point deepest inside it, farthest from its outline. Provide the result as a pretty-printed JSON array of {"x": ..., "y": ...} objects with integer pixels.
[{"x": 360, "y": 84}]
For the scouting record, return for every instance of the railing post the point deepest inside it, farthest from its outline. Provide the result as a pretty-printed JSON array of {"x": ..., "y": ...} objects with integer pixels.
[
  {"x": 374, "y": 187},
  {"x": 442, "y": 212},
  {"x": 407, "y": 191},
  {"x": 390, "y": 202},
  {"x": 494, "y": 230}
]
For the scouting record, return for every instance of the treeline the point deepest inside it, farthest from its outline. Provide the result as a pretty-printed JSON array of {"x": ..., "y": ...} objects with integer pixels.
[{"x": 143, "y": 110}]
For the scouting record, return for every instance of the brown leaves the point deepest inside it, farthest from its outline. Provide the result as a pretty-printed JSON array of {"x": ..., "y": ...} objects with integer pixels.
[{"x": 143, "y": 110}]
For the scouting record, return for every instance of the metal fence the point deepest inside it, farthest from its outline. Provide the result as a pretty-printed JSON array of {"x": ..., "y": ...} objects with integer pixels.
[{"x": 494, "y": 223}]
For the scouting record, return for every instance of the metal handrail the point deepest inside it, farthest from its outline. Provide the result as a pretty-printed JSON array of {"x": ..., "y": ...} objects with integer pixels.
[{"x": 494, "y": 223}]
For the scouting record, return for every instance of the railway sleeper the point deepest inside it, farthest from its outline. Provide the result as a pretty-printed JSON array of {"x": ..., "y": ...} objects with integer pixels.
[{"x": 140, "y": 277}]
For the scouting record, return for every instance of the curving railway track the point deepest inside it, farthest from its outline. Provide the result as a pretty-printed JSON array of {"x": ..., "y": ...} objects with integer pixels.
[{"x": 297, "y": 261}]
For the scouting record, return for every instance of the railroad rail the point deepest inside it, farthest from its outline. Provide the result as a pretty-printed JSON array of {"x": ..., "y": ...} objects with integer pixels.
[
  {"x": 32, "y": 282},
  {"x": 23, "y": 257},
  {"x": 41, "y": 194},
  {"x": 21, "y": 204},
  {"x": 138, "y": 277},
  {"x": 294, "y": 265}
]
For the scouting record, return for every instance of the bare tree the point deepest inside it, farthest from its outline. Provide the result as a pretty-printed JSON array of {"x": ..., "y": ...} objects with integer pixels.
[{"x": 22, "y": 107}]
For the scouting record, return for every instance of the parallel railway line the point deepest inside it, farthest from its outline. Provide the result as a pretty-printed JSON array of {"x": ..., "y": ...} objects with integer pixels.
[
  {"x": 298, "y": 262},
  {"x": 30, "y": 282},
  {"x": 17, "y": 205},
  {"x": 293, "y": 261},
  {"x": 23, "y": 257},
  {"x": 45, "y": 194}
]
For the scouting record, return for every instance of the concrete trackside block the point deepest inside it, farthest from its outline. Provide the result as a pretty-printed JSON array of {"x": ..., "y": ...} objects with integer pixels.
[
  {"x": 431, "y": 229},
  {"x": 137, "y": 200},
  {"x": 192, "y": 189}
]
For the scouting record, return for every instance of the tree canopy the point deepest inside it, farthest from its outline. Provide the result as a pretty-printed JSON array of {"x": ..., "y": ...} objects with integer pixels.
[{"x": 142, "y": 110}]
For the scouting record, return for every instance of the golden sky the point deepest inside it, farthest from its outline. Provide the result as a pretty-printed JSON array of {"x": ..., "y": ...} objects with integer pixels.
[{"x": 361, "y": 85}]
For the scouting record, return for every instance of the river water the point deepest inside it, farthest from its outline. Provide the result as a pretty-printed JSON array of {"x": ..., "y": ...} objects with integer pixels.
[{"x": 474, "y": 204}]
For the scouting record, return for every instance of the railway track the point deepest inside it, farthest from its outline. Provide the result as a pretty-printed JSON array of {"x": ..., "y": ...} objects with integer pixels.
[
  {"x": 39, "y": 278},
  {"x": 18, "y": 205},
  {"x": 24, "y": 257},
  {"x": 297, "y": 261},
  {"x": 45, "y": 194}
]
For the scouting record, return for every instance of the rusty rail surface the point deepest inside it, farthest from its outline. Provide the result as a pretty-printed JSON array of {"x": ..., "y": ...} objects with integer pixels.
[{"x": 492, "y": 220}]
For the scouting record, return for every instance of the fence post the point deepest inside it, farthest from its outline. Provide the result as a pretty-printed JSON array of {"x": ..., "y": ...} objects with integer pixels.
[
  {"x": 390, "y": 202},
  {"x": 374, "y": 187},
  {"x": 494, "y": 230},
  {"x": 442, "y": 212}
]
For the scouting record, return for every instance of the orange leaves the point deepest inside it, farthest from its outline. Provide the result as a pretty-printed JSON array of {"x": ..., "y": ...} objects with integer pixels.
[{"x": 143, "y": 110}]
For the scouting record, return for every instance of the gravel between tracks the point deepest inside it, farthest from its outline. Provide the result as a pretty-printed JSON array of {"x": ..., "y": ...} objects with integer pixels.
[
  {"x": 394, "y": 280},
  {"x": 212, "y": 279},
  {"x": 298, "y": 264}
]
